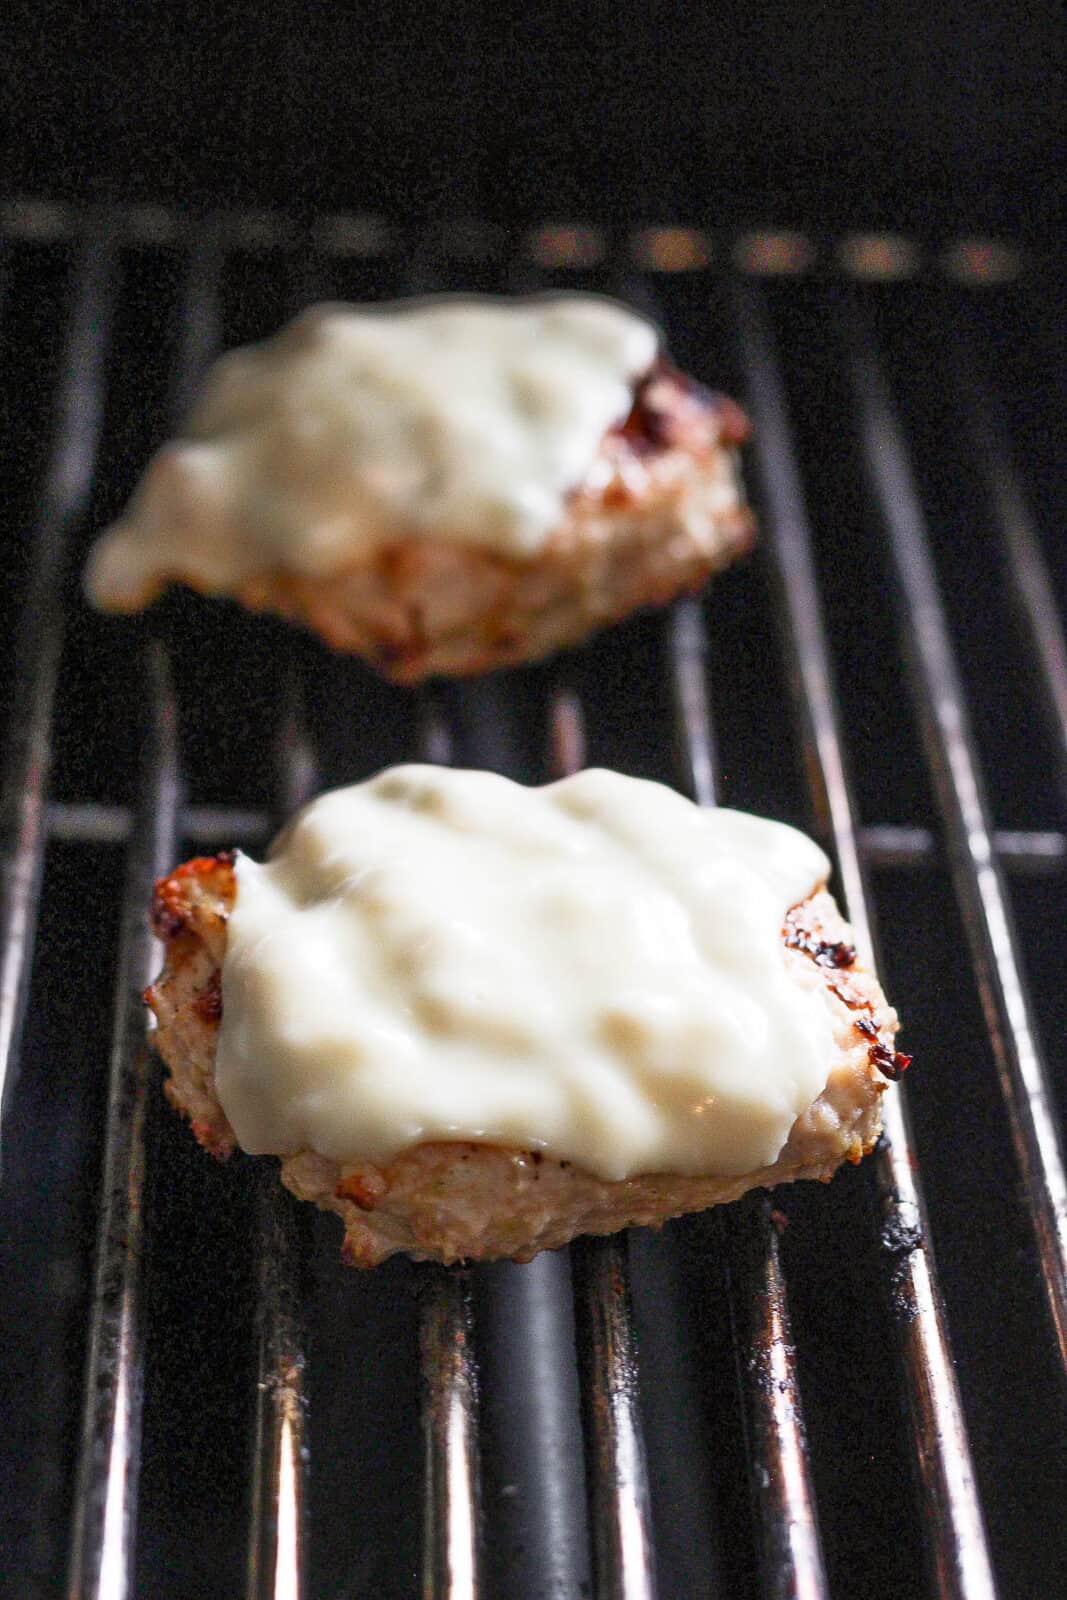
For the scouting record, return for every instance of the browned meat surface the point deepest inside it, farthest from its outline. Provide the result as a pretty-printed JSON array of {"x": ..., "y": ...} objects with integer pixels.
[{"x": 450, "y": 1201}]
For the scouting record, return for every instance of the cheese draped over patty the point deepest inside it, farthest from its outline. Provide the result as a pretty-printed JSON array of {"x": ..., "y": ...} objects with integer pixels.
[
  {"x": 466, "y": 420},
  {"x": 594, "y": 969}
]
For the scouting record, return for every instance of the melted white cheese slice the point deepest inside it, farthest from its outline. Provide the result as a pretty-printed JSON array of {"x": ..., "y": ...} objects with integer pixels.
[
  {"x": 462, "y": 419},
  {"x": 594, "y": 969}
]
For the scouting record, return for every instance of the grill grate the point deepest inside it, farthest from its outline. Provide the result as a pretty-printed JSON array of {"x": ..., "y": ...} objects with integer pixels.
[{"x": 581, "y": 1431}]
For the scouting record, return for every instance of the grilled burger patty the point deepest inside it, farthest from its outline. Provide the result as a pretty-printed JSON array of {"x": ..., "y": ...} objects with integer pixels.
[{"x": 451, "y": 1200}]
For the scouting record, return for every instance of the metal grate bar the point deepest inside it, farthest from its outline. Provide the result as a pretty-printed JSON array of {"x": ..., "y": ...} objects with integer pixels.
[
  {"x": 448, "y": 1385},
  {"x": 790, "y": 1548},
  {"x": 1028, "y": 571},
  {"x": 450, "y": 1439},
  {"x": 105, "y": 1503},
  {"x": 955, "y": 767},
  {"x": 40, "y": 642},
  {"x": 449, "y": 1381},
  {"x": 957, "y": 1535},
  {"x": 276, "y": 1538},
  {"x": 881, "y": 845},
  {"x": 277, "y": 1543},
  {"x": 1037, "y": 852},
  {"x": 95, "y": 822},
  {"x": 769, "y": 252},
  {"x": 617, "y": 1470}
]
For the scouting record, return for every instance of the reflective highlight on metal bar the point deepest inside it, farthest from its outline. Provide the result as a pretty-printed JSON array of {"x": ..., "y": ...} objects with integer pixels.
[
  {"x": 449, "y": 1406},
  {"x": 790, "y": 1549},
  {"x": 105, "y": 1500},
  {"x": 40, "y": 642},
  {"x": 958, "y": 1542},
  {"x": 276, "y": 1544},
  {"x": 616, "y": 1472},
  {"x": 954, "y": 763}
]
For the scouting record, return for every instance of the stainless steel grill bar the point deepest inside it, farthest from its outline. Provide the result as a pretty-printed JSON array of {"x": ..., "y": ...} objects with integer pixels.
[
  {"x": 449, "y": 1405},
  {"x": 89, "y": 822},
  {"x": 1035, "y": 852},
  {"x": 790, "y": 1548},
  {"x": 277, "y": 1543},
  {"x": 448, "y": 1379},
  {"x": 955, "y": 767},
  {"x": 105, "y": 1499},
  {"x": 617, "y": 1470},
  {"x": 957, "y": 1536},
  {"x": 40, "y": 642},
  {"x": 276, "y": 1539},
  {"x": 1027, "y": 568},
  {"x": 766, "y": 253}
]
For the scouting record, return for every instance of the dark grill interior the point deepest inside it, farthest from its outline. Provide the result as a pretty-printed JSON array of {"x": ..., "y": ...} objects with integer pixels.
[{"x": 755, "y": 1402}]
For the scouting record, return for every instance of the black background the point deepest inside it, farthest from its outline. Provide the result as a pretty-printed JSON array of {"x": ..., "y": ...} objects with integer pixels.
[{"x": 934, "y": 117}]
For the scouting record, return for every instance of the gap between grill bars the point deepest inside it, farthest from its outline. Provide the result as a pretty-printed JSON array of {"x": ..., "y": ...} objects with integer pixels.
[{"x": 454, "y": 1321}]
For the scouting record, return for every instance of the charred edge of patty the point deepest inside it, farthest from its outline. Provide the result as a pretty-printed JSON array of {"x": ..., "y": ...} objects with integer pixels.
[
  {"x": 671, "y": 411},
  {"x": 837, "y": 957},
  {"x": 172, "y": 906}
]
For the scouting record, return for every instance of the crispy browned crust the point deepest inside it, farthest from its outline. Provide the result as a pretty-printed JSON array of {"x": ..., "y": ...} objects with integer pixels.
[
  {"x": 657, "y": 514},
  {"x": 460, "y": 1200}
]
